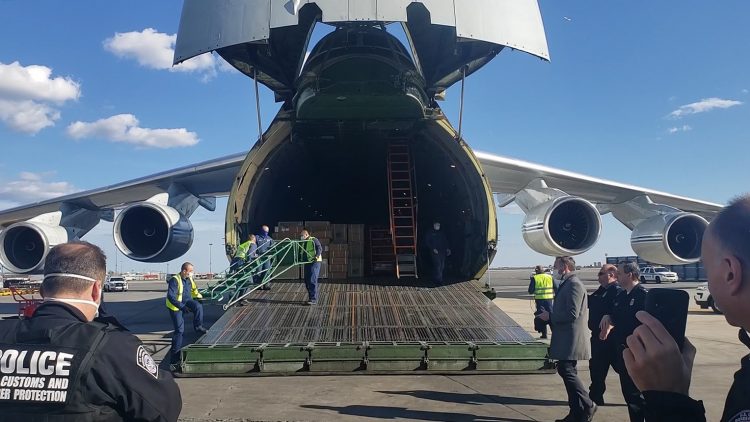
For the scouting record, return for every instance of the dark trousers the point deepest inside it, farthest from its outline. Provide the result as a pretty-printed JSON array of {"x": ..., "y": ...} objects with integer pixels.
[
  {"x": 311, "y": 280},
  {"x": 602, "y": 357},
  {"x": 631, "y": 394},
  {"x": 263, "y": 271},
  {"x": 438, "y": 267},
  {"x": 578, "y": 398},
  {"x": 542, "y": 305},
  {"x": 236, "y": 264},
  {"x": 178, "y": 322}
]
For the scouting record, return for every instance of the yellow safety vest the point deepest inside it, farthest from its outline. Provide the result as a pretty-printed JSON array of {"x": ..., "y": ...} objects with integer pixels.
[
  {"x": 543, "y": 287},
  {"x": 242, "y": 250},
  {"x": 310, "y": 249},
  {"x": 194, "y": 293}
]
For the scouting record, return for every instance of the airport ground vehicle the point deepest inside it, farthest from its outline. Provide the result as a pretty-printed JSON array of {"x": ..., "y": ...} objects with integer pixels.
[
  {"x": 658, "y": 274},
  {"x": 702, "y": 297},
  {"x": 116, "y": 284}
]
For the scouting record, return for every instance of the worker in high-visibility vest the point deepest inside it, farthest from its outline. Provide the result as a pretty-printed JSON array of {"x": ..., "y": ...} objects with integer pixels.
[
  {"x": 542, "y": 286},
  {"x": 180, "y": 301},
  {"x": 314, "y": 252},
  {"x": 246, "y": 252}
]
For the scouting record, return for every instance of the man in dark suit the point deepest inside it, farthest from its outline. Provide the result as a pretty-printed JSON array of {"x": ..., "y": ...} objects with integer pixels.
[{"x": 570, "y": 339}]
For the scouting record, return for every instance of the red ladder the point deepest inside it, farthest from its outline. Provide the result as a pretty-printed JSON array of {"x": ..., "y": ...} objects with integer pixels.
[{"x": 403, "y": 210}]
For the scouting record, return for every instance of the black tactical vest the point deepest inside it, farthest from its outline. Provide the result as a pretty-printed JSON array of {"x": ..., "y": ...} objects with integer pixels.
[{"x": 43, "y": 372}]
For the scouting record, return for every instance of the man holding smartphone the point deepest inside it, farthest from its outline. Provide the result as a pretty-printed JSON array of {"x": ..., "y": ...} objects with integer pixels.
[
  {"x": 654, "y": 360},
  {"x": 621, "y": 323}
]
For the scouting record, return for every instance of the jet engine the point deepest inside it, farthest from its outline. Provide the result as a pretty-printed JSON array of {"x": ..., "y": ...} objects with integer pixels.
[
  {"x": 671, "y": 239},
  {"x": 24, "y": 245},
  {"x": 152, "y": 232},
  {"x": 566, "y": 225}
]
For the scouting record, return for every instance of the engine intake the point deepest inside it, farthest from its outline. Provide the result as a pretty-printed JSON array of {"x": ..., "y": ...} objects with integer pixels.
[
  {"x": 24, "y": 246},
  {"x": 669, "y": 239},
  {"x": 566, "y": 225},
  {"x": 150, "y": 232}
]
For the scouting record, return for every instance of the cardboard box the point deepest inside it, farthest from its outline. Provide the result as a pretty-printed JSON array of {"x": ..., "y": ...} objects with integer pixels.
[
  {"x": 356, "y": 267},
  {"x": 337, "y": 268},
  {"x": 356, "y": 250},
  {"x": 338, "y": 250},
  {"x": 293, "y": 273},
  {"x": 338, "y": 261},
  {"x": 356, "y": 233},
  {"x": 339, "y": 233}
]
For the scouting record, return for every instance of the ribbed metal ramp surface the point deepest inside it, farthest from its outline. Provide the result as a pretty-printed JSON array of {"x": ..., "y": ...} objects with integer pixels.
[{"x": 364, "y": 326}]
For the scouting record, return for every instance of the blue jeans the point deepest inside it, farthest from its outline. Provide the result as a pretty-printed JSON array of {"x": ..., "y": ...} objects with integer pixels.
[
  {"x": 178, "y": 322},
  {"x": 311, "y": 280}
]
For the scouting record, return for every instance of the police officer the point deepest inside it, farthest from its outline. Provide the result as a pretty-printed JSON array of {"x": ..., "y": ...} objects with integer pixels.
[
  {"x": 437, "y": 244},
  {"x": 602, "y": 354},
  {"x": 314, "y": 250},
  {"x": 61, "y": 365},
  {"x": 542, "y": 287},
  {"x": 265, "y": 242},
  {"x": 618, "y": 325},
  {"x": 179, "y": 302}
]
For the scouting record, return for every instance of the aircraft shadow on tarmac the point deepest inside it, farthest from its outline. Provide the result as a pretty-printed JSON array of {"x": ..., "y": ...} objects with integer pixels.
[
  {"x": 385, "y": 412},
  {"x": 475, "y": 398}
]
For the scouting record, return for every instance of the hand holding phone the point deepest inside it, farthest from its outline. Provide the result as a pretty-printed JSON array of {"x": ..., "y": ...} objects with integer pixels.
[{"x": 670, "y": 307}]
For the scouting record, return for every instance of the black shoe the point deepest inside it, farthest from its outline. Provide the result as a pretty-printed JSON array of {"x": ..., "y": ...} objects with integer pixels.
[
  {"x": 544, "y": 336},
  {"x": 568, "y": 418},
  {"x": 201, "y": 329},
  {"x": 598, "y": 400}
]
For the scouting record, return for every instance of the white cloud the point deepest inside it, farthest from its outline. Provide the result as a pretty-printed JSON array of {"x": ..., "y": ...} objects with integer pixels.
[
  {"x": 32, "y": 187},
  {"x": 125, "y": 128},
  {"x": 155, "y": 50},
  {"x": 703, "y": 106},
  {"x": 683, "y": 128},
  {"x": 27, "y": 116},
  {"x": 745, "y": 91},
  {"x": 28, "y": 93}
]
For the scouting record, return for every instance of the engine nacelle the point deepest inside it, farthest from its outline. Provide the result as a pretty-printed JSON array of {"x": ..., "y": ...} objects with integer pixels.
[
  {"x": 566, "y": 225},
  {"x": 669, "y": 239},
  {"x": 24, "y": 246},
  {"x": 151, "y": 232}
]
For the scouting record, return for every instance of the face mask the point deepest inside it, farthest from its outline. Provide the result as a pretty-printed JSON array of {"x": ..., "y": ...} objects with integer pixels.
[
  {"x": 191, "y": 274},
  {"x": 265, "y": 232},
  {"x": 436, "y": 226},
  {"x": 81, "y": 301}
]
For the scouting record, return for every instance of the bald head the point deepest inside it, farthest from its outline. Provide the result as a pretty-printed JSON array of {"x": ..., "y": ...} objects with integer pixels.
[
  {"x": 80, "y": 258},
  {"x": 725, "y": 253},
  {"x": 731, "y": 229},
  {"x": 607, "y": 275}
]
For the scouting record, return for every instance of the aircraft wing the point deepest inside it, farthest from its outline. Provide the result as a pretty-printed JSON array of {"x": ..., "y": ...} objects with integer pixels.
[
  {"x": 509, "y": 176},
  {"x": 207, "y": 179}
]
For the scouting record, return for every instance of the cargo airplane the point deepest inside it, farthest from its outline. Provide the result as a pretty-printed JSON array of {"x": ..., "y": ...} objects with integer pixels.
[{"x": 360, "y": 92}]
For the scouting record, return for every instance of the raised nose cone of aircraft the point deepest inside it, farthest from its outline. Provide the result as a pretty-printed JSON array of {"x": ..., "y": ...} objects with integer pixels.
[{"x": 360, "y": 71}]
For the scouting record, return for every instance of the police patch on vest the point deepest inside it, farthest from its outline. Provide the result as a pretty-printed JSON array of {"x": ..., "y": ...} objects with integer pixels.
[
  {"x": 145, "y": 361},
  {"x": 743, "y": 416},
  {"x": 40, "y": 376}
]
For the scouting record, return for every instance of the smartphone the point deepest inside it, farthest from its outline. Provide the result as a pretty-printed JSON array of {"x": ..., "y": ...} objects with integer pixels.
[{"x": 670, "y": 307}]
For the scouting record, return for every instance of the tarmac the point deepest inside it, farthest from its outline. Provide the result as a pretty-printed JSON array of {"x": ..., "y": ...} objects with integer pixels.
[{"x": 538, "y": 397}]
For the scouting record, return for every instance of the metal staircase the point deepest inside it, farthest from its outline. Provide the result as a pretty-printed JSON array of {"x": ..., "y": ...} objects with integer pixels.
[
  {"x": 402, "y": 209},
  {"x": 236, "y": 284}
]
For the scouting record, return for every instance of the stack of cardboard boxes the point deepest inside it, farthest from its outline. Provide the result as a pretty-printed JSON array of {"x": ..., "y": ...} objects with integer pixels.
[
  {"x": 343, "y": 247},
  {"x": 291, "y": 230},
  {"x": 356, "y": 242}
]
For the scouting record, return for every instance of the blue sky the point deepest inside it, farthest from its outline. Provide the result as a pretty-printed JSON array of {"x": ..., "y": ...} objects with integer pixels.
[{"x": 648, "y": 93}]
